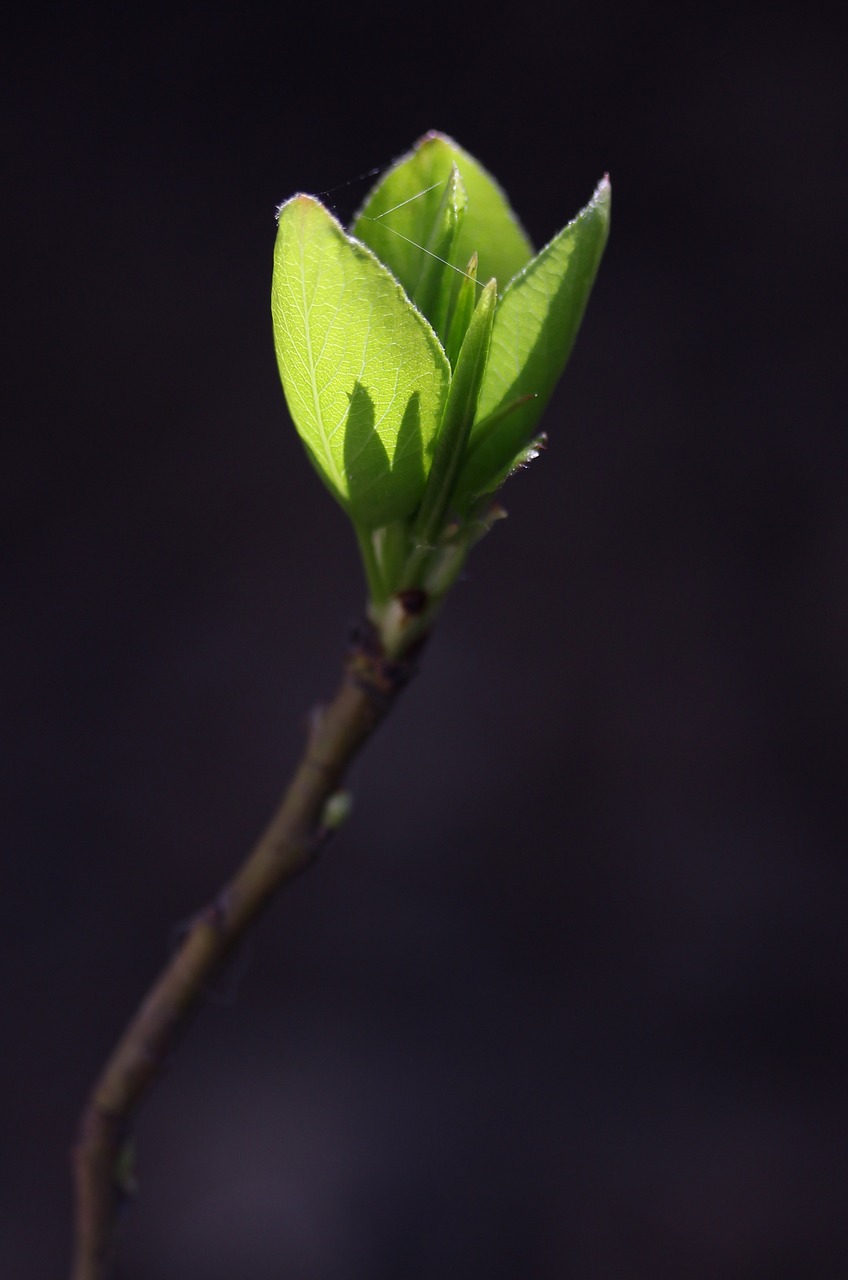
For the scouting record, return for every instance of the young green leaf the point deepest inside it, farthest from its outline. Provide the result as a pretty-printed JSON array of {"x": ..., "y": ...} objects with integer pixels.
[
  {"x": 399, "y": 213},
  {"x": 435, "y": 285},
  {"x": 463, "y": 310},
  {"x": 364, "y": 375},
  {"x": 535, "y": 328},
  {"x": 459, "y": 415}
]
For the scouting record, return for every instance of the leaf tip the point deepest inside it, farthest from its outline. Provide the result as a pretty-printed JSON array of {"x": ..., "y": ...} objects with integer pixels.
[
  {"x": 602, "y": 196},
  {"x": 434, "y": 140},
  {"x": 300, "y": 202},
  {"x": 431, "y": 136}
]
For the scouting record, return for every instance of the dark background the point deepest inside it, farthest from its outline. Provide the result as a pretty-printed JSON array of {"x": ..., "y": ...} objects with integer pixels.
[{"x": 568, "y": 997}]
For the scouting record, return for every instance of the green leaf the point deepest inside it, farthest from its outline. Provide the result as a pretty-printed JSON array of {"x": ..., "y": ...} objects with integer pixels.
[
  {"x": 364, "y": 375},
  {"x": 398, "y": 214},
  {"x": 459, "y": 415},
  {"x": 463, "y": 310},
  {"x": 535, "y": 327},
  {"x": 435, "y": 285}
]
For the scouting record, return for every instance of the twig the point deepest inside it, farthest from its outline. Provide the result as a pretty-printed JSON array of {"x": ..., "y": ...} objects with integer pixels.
[{"x": 101, "y": 1157}]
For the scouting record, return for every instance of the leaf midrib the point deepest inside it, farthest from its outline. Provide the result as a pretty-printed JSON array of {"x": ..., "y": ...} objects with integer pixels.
[{"x": 331, "y": 462}]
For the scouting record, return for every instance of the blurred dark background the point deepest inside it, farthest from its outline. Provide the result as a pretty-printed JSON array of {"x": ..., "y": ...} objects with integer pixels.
[{"x": 567, "y": 999}]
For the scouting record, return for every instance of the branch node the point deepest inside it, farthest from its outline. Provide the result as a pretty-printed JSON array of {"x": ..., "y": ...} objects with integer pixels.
[{"x": 379, "y": 677}]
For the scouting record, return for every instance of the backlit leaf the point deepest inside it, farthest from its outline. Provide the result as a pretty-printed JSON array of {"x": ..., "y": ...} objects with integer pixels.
[
  {"x": 459, "y": 415},
  {"x": 535, "y": 327},
  {"x": 364, "y": 375},
  {"x": 399, "y": 213}
]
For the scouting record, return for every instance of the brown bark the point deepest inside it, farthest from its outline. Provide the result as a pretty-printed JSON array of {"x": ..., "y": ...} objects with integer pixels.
[{"x": 102, "y": 1170}]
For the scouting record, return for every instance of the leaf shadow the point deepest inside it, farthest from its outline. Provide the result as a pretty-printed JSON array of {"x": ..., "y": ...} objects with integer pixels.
[{"x": 380, "y": 489}]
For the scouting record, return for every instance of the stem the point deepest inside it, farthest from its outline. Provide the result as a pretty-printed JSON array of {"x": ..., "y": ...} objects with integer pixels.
[
  {"x": 371, "y": 564},
  {"x": 294, "y": 835}
]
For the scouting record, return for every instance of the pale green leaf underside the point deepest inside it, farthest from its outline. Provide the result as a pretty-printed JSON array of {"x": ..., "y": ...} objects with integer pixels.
[
  {"x": 364, "y": 375},
  {"x": 534, "y": 331},
  {"x": 489, "y": 227}
]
